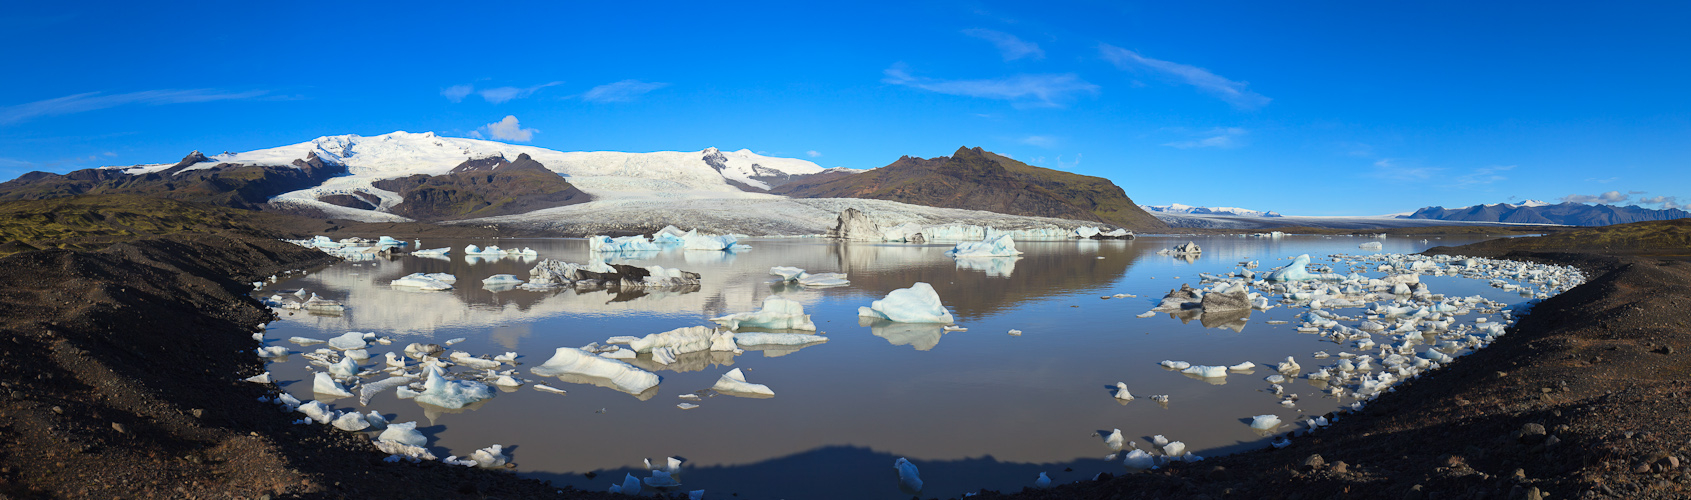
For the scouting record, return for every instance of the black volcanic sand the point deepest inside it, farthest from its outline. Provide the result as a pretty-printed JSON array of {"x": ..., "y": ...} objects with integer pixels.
[{"x": 120, "y": 378}]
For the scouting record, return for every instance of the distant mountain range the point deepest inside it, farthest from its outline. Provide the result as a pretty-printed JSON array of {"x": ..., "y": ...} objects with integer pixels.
[
  {"x": 975, "y": 179},
  {"x": 422, "y": 176},
  {"x": 1538, "y": 212},
  {"x": 1177, "y": 208}
]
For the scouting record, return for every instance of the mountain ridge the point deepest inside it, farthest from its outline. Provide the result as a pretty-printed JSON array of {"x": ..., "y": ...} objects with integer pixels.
[{"x": 1567, "y": 213}]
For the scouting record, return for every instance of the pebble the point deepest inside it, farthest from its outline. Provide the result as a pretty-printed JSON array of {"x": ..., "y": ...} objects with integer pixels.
[
  {"x": 119, "y": 428},
  {"x": 1314, "y": 462},
  {"x": 1340, "y": 467},
  {"x": 1532, "y": 433}
]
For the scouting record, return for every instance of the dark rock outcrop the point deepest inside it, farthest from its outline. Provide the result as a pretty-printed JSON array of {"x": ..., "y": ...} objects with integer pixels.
[
  {"x": 483, "y": 188},
  {"x": 975, "y": 179},
  {"x": 225, "y": 184}
]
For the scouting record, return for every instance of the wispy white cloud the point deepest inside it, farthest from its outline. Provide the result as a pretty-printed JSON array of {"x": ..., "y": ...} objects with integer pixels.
[
  {"x": 91, "y": 101},
  {"x": 1483, "y": 175},
  {"x": 505, "y": 130},
  {"x": 1228, "y": 90},
  {"x": 1392, "y": 169},
  {"x": 1665, "y": 201},
  {"x": 622, "y": 91},
  {"x": 1044, "y": 141},
  {"x": 495, "y": 95},
  {"x": 813, "y": 153},
  {"x": 1042, "y": 91},
  {"x": 1608, "y": 197},
  {"x": 1219, "y": 137},
  {"x": 1011, "y": 47},
  {"x": 457, "y": 93}
]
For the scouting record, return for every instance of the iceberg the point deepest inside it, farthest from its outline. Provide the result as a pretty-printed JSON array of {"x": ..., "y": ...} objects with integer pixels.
[
  {"x": 734, "y": 383},
  {"x": 760, "y": 338},
  {"x": 452, "y": 394},
  {"x": 1206, "y": 371},
  {"x": 346, "y": 368},
  {"x": 325, "y": 384},
  {"x": 695, "y": 241},
  {"x": 909, "y": 479},
  {"x": 351, "y": 422},
  {"x": 435, "y": 252},
  {"x": 818, "y": 280},
  {"x": 1002, "y": 246},
  {"x": 669, "y": 236},
  {"x": 274, "y": 351},
  {"x": 1298, "y": 270},
  {"x": 317, "y": 411},
  {"x": 1265, "y": 422},
  {"x": 348, "y": 341},
  {"x": 1372, "y": 245},
  {"x": 1138, "y": 459},
  {"x": 1085, "y": 232},
  {"x": 426, "y": 281},
  {"x": 606, "y": 244},
  {"x": 405, "y": 434},
  {"x": 917, "y": 304},
  {"x": 1121, "y": 392},
  {"x": 777, "y": 314},
  {"x": 490, "y": 457},
  {"x": 682, "y": 340},
  {"x": 502, "y": 279},
  {"x": 1114, "y": 440},
  {"x": 572, "y": 361},
  {"x": 370, "y": 390}
]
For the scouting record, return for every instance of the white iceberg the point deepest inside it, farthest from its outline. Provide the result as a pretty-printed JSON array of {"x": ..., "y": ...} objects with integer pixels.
[
  {"x": 346, "y": 368},
  {"x": 348, "y": 341},
  {"x": 761, "y": 338},
  {"x": 1372, "y": 245},
  {"x": 695, "y": 241},
  {"x": 606, "y": 244},
  {"x": 325, "y": 384},
  {"x": 405, "y": 434},
  {"x": 572, "y": 361},
  {"x": 908, "y": 477},
  {"x": 490, "y": 457},
  {"x": 777, "y": 314},
  {"x": 734, "y": 383},
  {"x": 1298, "y": 270},
  {"x": 1265, "y": 422},
  {"x": 426, "y": 281},
  {"x": 351, "y": 421},
  {"x": 1121, "y": 392},
  {"x": 818, "y": 280},
  {"x": 1001, "y": 246},
  {"x": 501, "y": 279},
  {"x": 1114, "y": 440},
  {"x": 452, "y": 394},
  {"x": 1206, "y": 371},
  {"x": 1138, "y": 459},
  {"x": 917, "y": 304}
]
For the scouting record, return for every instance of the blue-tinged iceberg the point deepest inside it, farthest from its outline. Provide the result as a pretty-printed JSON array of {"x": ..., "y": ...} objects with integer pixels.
[
  {"x": 1000, "y": 246},
  {"x": 917, "y": 304}
]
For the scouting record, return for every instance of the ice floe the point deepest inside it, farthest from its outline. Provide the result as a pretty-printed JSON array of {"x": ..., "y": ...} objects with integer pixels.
[
  {"x": 619, "y": 375},
  {"x": 917, "y": 304},
  {"x": 777, "y": 314},
  {"x": 996, "y": 246},
  {"x": 734, "y": 383}
]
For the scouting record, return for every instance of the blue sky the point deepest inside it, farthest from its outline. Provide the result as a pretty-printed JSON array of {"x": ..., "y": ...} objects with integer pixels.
[{"x": 1311, "y": 108}]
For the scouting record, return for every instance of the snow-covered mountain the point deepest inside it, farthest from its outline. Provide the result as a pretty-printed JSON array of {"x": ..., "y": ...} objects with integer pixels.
[
  {"x": 1177, "y": 208},
  {"x": 1538, "y": 212},
  {"x": 603, "y": 174}
]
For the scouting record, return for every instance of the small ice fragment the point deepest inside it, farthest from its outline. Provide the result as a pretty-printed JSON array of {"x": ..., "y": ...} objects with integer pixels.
[
  {"x": 1265, "y": 422},
  {"x": 262, "y": 378},
  {"x": 630, "y": 485},
  {"x": 908, "y": 477},
  {"x": 547, "y": 388},
  {"x": 1138, "y": 459},
  {"x": 735, "y": 382},
  {"x": 490, "y": 457},
  {"x": 1044, "y": 481},
  {"x": 452, "y": 394},
  {"x": 686, "y": 406},
  {"x": 689, "y": 397},
  {"x": 326, "y": 384},
  {"x": 317, "y": 411},
  {"x": 453, "y": 341},
  {"x": 274, "y": 351},
  {"x": 1146, "y": 314},
  {"x": 304, "y": 341},
  {"x": 1174, "y": 449},
  {"x": 348, "y": 341},
  {"x": 1206, "y": 371},
  {"x": 1175, "y": 365},
  {"x": 351, "y": 422},
  {"x": 1114, "y": 440},
  {"x": 1015, "y": 332},
  {"x": 1121, "y": 392},
  {"x": 1242, "y": 366}
]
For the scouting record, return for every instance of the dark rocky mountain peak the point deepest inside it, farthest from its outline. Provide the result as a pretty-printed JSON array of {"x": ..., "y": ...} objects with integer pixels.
[
  {"x": 715, "y": 159},
  {"x": 487, "y": 164}
]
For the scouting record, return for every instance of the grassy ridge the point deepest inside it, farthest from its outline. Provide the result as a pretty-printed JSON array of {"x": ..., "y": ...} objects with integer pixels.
[
  {"x": 94, "y": 222},
  {"x": 1664, "y": 238}
]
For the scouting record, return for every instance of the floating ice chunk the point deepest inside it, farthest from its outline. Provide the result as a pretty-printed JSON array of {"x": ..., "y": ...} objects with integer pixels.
[
  {"x": 572, "y": 361},
  {"x": 1015, "y": 332},
  {"x": 370, "y": 390},
  {"x": 1242, "y": 366},
  {"x": 351, "y": 422},
  {"x": 490, "y": 457},
  {"x": 1159, "y": 440},
  {"x": 606, "y": 244},
  {"x": 317, "y": 411},
  {"x": 662, "y": 479},
  {"x": 325, "y": 384},
  {"x": 547, "y": 388},
  {"x": 1276, "y": 379},
  {"x": 1206, "y": 371},
  {"x": 288, "y": 400},
  {"x": 917, "y": 304},
  {"x": 453, "y": 341},
  {"x": 1298, "y": 270},
  {"x": 663, "y": 355},
  {"x": 262, "y": 378},
  {"x": 686, "y": 406},
  {"x": 358, "y": 355},
  {"x": 502, "y": 279},
  {"x": 1044, "y": 481},
  {"x": 345, "y": 369},
  {"x": 1265, "y": 422},
  {"x": 1146, "y": 314},
  {"x": 505, "y": 380},
  {"x": 1176, "y": 365},
  {"x": 1138, "y": 459},
  {"x": 1174, "y": 449},
  {"x": 452, "y": 394},
  {"x": 464, "y": 358},
  {"x": 274, "y": 351},
  {"x": 426, "y": 281},
  {"x": 1114, "y": 440},
  {"x": 683, "y": 340},
  {"x": 1161, "y": 399},
  {"x": 777, "y": 314},
  {"x": 630, "y": 485},
  {"x": 908, "y": 477},
  {"x": 760, "y": 338},
  {"x": 432, "y": 252},
  {"x": 1372, "y": 245},
  {"x": 1001, "y": 246},
  {"x": 1121, "y": 392},
  {"x": 787, "y": 273},
  {"x": 305, "y": 341},
  {"x": 695, "y": 241},
  {"x": 823, "y": 280},
  {"x": 348, "y": 341},
  {"x": 734, "y": 383},
  {"x": 405, "y": 433},
  {"x": 1289, "y": 366}
]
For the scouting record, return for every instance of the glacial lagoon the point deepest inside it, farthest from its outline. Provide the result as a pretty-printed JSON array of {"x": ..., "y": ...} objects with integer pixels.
[{"x": 972, "y": 409}]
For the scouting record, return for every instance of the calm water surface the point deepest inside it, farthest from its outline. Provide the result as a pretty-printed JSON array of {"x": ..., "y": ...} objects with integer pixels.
[{"x": 975, "y": 409}]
